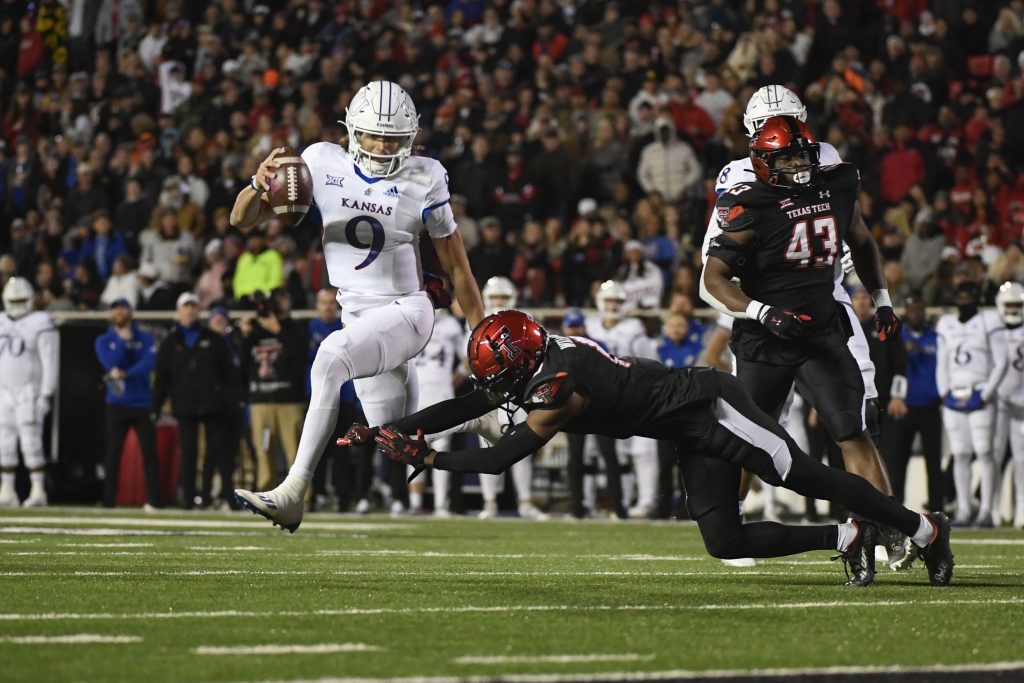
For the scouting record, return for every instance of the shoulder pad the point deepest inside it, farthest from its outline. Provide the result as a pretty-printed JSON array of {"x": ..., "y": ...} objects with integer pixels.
[{"x": 732, "y": 211}]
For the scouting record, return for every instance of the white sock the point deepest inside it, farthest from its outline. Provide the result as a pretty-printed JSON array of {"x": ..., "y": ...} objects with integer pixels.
[
  {"x": 522, "y": 475},
  {"x": 416, "y": 499},
  {"x": 962, "y": 478},
  {"x": 37, "y": 477},
  {"x": 7, "y": 480},
  {"x": 847, "y": 535},
  {"x": 989, "y": 483},
  {"x": 924, "y": 534},
  {"x": 440, "y": 489}
]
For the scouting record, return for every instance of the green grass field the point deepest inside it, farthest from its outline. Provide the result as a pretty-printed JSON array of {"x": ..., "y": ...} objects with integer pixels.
[{"x": 87, "y": 596}]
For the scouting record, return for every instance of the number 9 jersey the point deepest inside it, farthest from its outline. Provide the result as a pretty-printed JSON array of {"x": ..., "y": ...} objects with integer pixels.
[
  {"x": 797, "y": 240},
  {"x": 372, "y": 224}
]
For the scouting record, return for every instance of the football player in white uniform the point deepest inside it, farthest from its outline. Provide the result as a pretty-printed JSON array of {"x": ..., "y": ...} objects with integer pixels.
[
  {"x": 972, "y": 360},
  {"x": 1010, "y": 408},
  {"x": 436, "y": 367},
  {"x": 29, "y": 363},
  {"x": 626, "y": 336},
  {"x": 499, "y": 293},
  {"x": 375, "y": 198}
]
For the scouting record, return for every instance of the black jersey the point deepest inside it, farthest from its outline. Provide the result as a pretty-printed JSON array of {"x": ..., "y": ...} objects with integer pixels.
[
  {"x": 627, "y": 396},
  {"x": 791, "y": 261}
]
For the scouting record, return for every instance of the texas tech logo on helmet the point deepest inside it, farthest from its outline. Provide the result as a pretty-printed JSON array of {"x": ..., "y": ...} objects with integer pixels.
[{"x": 504, "y": 345}]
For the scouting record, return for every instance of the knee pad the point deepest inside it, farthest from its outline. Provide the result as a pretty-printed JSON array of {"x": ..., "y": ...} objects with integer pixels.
[{"x": 844, "y": 425}]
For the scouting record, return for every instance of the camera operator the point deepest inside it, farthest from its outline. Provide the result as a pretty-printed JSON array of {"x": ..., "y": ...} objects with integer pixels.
[{"x": 275, "y": 348}]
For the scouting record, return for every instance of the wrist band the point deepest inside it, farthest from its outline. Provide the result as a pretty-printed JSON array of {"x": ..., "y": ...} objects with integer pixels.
[
  {"x": 252, "y": 183},
  {"x": 754, "y": 309},
  {"x": 881, "y": 298}
]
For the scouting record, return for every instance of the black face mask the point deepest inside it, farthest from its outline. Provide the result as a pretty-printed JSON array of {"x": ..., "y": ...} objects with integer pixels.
[{"x": 967, "y": 311}]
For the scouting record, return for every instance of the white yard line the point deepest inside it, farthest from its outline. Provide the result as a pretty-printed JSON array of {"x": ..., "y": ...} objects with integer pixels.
[
  {"x": 987, "y": 541},
  {"x": 105, "y": 545},
  {"x": 71, "y": 639},
  {"x": 227, "y": 548},
  {"x": 683, "y": 674},
  {"x": 431, "y": 553},
  {"x": 314, "y": 649},
  {"x": 552, "y": 659},
  {"x": 157, "y": 521},
  {"x": 501, "y": 609}
]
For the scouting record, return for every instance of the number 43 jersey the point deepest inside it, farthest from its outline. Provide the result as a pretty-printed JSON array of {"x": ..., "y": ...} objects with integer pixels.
[
  {"x": 797, "y": 241},
  {"x": 372, "y": 224}
]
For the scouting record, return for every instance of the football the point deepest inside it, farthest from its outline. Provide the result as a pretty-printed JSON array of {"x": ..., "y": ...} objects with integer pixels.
[{"x": 291, "y": 188}]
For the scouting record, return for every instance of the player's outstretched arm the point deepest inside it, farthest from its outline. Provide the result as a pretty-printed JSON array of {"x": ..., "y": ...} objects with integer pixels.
[
  {"x": 520, "y": 441},
  {"x": 431, "y": 420},
  {"x": 251, "y": 207},
  {"x": 452, "y": 253}
]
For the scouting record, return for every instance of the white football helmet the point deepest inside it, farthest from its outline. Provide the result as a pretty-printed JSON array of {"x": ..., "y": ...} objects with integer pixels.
[
  {"x": 611, "y": 299},
  {"x": 499, "y": 294},
  {"x": 769, "y": 101},
  {"x": 18, "y": 294},
  {"x": 1010, "y": 302},
  {"x": 381, "y": 108}
]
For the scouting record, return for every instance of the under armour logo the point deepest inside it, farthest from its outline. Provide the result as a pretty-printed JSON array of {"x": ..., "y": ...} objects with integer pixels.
[{"x": 824, "y": 193}]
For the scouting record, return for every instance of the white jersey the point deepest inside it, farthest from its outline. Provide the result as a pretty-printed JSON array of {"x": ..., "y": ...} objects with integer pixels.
[
  {"x": 971, "y": 355},
  {"x": 29, "y": 353},
  {"x": 436, "y": 363},
  {"x": 625, "y": 338},
  {"x": 1012, "y": 387},
  {"x": 372, "y": 224}
]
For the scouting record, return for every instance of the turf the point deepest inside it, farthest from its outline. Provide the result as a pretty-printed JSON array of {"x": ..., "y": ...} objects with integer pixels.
[{"x": 418, "y": 597}]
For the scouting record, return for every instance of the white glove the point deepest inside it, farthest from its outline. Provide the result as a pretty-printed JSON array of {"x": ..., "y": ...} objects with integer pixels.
[
  {"x": 42, "y": 408},
  {"x": 847, "y": 261}
]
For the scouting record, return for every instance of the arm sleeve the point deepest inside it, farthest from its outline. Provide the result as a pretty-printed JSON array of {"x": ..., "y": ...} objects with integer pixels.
[
  {"x": 146, "y": 361},
  {"x": 517, "y": 444},
  {"x": 1000, "y": 359},
  {"x": 49, "y": 359},
  {"x": 109, "y": 357},
  {"x": 446, "y": 414}
]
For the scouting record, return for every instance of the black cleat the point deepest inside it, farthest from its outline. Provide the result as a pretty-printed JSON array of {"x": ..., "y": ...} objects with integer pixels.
[
  {"x": 859, "y": 557},
  {"x": 938, "y": 555}
]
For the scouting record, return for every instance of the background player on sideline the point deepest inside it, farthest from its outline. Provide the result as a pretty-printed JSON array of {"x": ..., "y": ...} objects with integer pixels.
[
  {"x": 28, "y": 378},
  {"x": 375, "y": 197}
]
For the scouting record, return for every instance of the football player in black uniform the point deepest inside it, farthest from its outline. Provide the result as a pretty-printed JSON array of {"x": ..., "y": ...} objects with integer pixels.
[
  {"x": 782, "y": 234},
  {"x": 571, "y": 384}
]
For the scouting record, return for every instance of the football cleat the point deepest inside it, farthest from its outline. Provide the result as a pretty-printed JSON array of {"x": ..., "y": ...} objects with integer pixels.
[
  {"x": 490, "y": 511},
  {"x": 363, "y": 507},
  {"x": 281, "y": 506},
  {"x": 8, "y": 497},
  {"x": 531, "y": 511},
  {"x": 859, "y": 557},
  {"x": 36, "y": 498},
  {"x": 442, "y": 513},
  {"x": 740, "y": 562},
  {"x": 938, "y": 556}
]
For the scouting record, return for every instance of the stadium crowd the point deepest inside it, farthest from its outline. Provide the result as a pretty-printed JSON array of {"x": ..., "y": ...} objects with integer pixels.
[{"x": 582, "y": 137}]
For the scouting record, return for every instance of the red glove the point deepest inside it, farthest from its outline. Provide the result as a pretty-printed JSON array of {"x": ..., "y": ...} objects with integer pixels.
[
  {"x": 358, "y": 434},
  {"x": 411, "y": 450},
  {"x": 434, "y": 287},
  {"x": 886, "y": 323},
  {"x": 784, "y": 324}
]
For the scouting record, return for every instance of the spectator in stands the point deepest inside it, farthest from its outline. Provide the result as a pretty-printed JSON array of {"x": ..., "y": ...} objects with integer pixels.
[
  {"x": 922, "y": 251},
  {"x": 493, "y": 256},
  {"x": 172, "y": 251},
  {"x": 668, "y": 165},
  {"x": 128, "y": 354},
  {"x": 193, "y": 367},
  {"x": 154, "y": 294},
  {"x": 103, "y": 245},
  {"x": 210, "y": 287},
  {"x": 86, "y": 287},
  {"x": 642, "y": 280},
  {"x": 259, "y": 269},
  {"x": 123, "y": 282},
  {"x": 274, "y": 353},
  {"x": 85, "y": 198},
  {"x": 132, "y": 215}
]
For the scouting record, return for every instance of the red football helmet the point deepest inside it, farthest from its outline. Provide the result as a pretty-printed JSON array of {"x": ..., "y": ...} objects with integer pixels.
[
  {"x": 505, "y": 349},
  {"x": 784, "y": 136}
]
